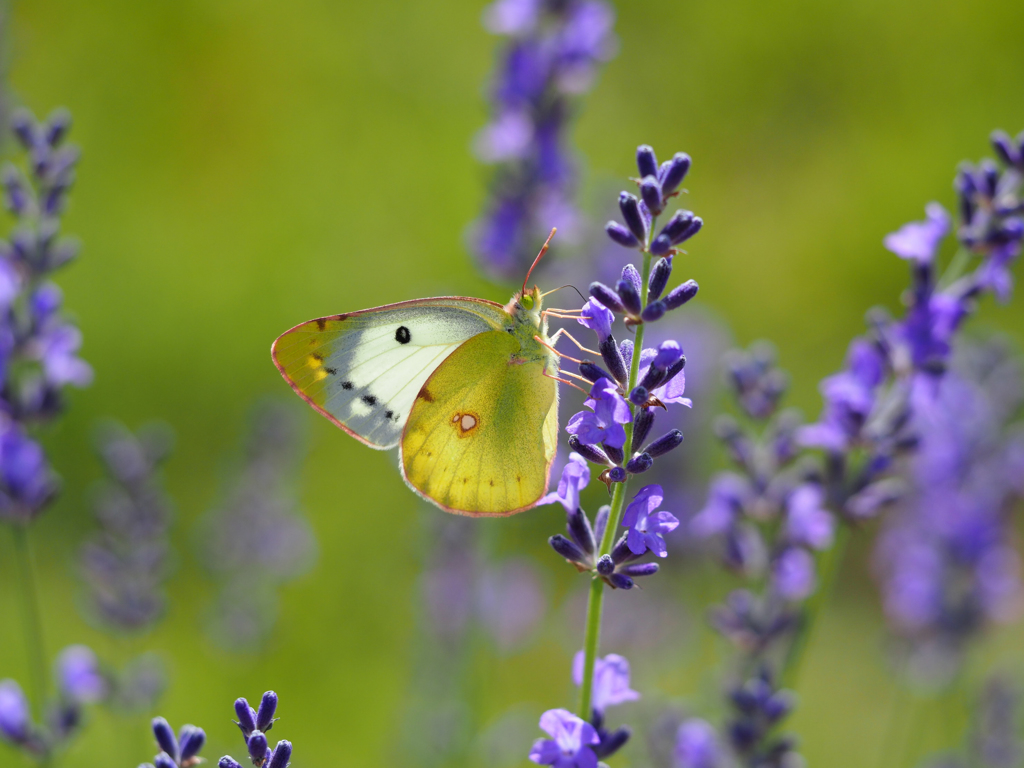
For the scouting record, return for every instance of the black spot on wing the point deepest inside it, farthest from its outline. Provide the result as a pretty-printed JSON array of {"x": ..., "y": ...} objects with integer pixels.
[
  {"x": 317, "y": 356},
  {"x": 321, "y": 323},
  {"x": 346, "y": 385},
  {"x": 369, "y": 399},
  {"x": 402, "y": 335},
  {"x": 332, "y": 371}
]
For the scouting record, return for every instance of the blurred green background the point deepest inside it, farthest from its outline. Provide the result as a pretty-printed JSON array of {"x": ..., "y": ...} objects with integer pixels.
[{"x": 249, "y": 165}]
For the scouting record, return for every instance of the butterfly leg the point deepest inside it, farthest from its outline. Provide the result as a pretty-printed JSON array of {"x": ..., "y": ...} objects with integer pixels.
[
  {"x": 566, "y": 381},
  {"x": 569, "y": 336},
  {"x": 562, "y": 355}
]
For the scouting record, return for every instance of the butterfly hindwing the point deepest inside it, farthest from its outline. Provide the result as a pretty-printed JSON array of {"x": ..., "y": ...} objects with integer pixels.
[
  {"x": 363, "y": 370},
  {"x": 483, "y": 430}
]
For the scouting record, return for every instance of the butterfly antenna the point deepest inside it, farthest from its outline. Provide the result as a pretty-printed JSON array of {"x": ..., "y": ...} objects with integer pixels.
[
  {"x": 543, "y": 250},
  {"x": 567, "y": 285}
]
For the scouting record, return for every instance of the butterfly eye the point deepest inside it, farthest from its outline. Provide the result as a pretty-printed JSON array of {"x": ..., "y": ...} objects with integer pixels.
[{"x": 527, "y": 302}]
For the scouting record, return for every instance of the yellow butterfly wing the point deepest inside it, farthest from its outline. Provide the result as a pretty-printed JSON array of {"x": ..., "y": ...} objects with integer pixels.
[
  {"x": 363, "y": 370},
  {"x": 482, "y": 433}
]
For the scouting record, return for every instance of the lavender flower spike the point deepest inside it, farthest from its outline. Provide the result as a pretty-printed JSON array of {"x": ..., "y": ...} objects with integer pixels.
[
  {"x": 570, "y": 745},
  {"x": 14, "y": 717}
]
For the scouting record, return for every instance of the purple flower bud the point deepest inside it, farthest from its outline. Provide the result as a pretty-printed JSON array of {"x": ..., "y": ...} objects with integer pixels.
[
  {"x": 606, "y": 296},
  {"x": 14, "y": 715},
  {"x": 777, "y": 706},
  {"x": 629, "y": 272},
  {"x": 621, "y": 552},
  {"x": 582, "y": 534},
  {"x": 681, "y": 294},
  {"x": 24, "y": 127},
  {"x": 567, "y": 549},
  {"x": 258, "y": 749},
  {"x": 677, "y": 225},
  {"x": 163, "y": 760},
  {"x": 620, "y": 581},
  {"x": 639, "y": 395},
  {"x": 282, "y": 755},
  {"x": 673, "y": 172},
  {"x": 642, "y": 423},
  {"x": 659, "y": 278},
  {"x": 665, "y": 443},
  {"x": 640, "y": 464},
  {"x": 646, "y": 161},
  {"x": 246, "y": 717},
  {"x": 621, "y": 235},
  {"x": 57, "y": 127},
  {"x": 53, "y": 200},
  {"x": 630, "y": 297},
  {"x": 613, "y": 742},
  {"x": 16, "y": 196},
  {"x": 601, "y": 521},
  {"x": 695, "y": 226},
  {"x": 617, "y": 475},
  {"x": 1011, "y": 231},
  {"x": 594, "y": 372},
  {"x": 634, "y": 219},
  {"x": 653, "y": 311},
  {"x": 614, "y": 452},
  {"x": 650, "y": 191},
  {"x": 265, "y": 716},
  {"x": 228, "y": 762},
  {"x": 605, "y": 565},
  {"x": 1005, "y": 147},
  {"x": 612, "y": 356},
  {"x": 989, "y": 177},
  {"x": 660, "y": 245},
  {"x": 165, "y": 737},
  {"x": 191, "y": 740},
  {"x": 589, "y": 452},
  {"x": 640, "y": 569}
]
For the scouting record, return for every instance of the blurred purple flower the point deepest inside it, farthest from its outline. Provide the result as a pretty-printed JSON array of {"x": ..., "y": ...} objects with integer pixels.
[
  {"x": 124, "y": 563},
  {"x": 14, "y": 715},
  {"x": 570, "y": 742},
  {"x": 551, "y": 56},
  {"x": 27, "y": 483},
  {"x": 808, "y": 522},
  {"x": 793, "y": 573},
  {"x": 259, "y": 538},
  {"x": 611, "y": 680},
  {"x": 919, "y": 240},
  {"x": 697, "y": 745},
  {"x": 79, "y": 675}
]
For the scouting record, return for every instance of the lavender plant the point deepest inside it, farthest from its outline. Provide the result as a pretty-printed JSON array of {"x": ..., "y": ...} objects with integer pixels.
[
  {"x": 615, "y": 434},
  {"x": 259, "y": 538},
  {"x": 182, "y": 751},
  {"x": 124, "y": 563},
  {"x": 38, "y": 360},
  {"x": 553, "y": 51},
  {"x": 946, "y": 557},
  {"x": 779, "y": 511}
]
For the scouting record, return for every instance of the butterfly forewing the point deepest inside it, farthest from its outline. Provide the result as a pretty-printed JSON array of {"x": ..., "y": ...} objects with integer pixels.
[{"x": 364, "y": 370}]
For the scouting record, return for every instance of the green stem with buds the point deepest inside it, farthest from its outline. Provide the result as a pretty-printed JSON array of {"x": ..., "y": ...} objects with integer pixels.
[{"x": 592, "y": 633}]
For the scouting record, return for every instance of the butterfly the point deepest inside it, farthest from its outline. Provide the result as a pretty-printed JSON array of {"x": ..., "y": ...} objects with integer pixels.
[{"x": 466, "y": 388}]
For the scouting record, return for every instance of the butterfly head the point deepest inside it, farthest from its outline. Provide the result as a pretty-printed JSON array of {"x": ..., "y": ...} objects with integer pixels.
[{"x": 525, "y": 307}]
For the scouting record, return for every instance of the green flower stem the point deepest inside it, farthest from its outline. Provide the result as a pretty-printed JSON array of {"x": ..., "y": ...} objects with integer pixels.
[
  {"x": 592, "y": 632},
  {"x": 31, "y": 620}
]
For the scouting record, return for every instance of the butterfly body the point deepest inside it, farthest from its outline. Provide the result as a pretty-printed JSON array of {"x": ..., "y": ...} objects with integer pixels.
[{"x": 462, "y": 386}]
